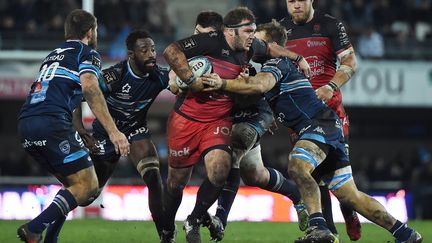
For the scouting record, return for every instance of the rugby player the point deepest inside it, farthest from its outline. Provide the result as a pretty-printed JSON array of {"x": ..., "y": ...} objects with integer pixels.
[
  {"x": 321, "y": 143},
  {"x": 323, "y": 41},
  {"x": 45, "y": 128}
]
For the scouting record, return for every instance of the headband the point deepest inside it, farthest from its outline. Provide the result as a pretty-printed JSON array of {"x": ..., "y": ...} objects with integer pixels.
[{"x": 235, "y": 26}]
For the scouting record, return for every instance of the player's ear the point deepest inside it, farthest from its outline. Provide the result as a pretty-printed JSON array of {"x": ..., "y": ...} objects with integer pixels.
[
  {"x": 130, "y": 54},
  {"x": 90, "y": 34}
]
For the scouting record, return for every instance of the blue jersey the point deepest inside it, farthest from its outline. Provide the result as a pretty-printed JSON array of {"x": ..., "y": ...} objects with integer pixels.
[
  {"x": 129, "y": 96},
  {"x": 57, "y": 90},
  {"x": 292, "y": 98}
]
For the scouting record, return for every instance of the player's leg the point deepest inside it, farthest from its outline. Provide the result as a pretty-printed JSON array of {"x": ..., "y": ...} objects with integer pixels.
[
  {"x": 218, "y": 164},
  {"x": 254, "y": 173},
  {"x": 304, "y": 158},
  {"x": 61, "y": 154},
  {"x": 144, "y": 156},
  {"x": 370, "y": 208},
  {"x": 243, "y": 138},
  {"x": 176, "y": 181}
]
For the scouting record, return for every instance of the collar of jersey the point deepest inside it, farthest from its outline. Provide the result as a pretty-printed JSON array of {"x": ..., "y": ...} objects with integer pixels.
[{"x": 133, "y": 74}]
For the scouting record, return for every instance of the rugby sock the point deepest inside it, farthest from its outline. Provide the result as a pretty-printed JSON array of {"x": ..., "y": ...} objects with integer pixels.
[
  {"x": 327, "y": 208},
  {"x": 153, "y": 181},
  {"x": 401, "y": 231},
  {"x": 279, "y": 184},
  {"x": 206, "y": 196},
  {"x": 63, "y": 203},
  {"x": 171, "y": 205},
  {"x": 228, "y": 194},
  {"x": 317, "y": 219},
  {"x": 53, "y": 230}
]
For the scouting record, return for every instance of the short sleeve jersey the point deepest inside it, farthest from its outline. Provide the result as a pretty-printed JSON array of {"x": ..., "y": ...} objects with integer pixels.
[
  {"x": 130, "y": 96},
  {"x": 57, "y": 90},
  {"x": 228, "y": 63}
]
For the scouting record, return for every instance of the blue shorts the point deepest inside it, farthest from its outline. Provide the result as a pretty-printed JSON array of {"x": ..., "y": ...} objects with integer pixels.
[
  {"x": 106, "y": 147},
  {"x": 259, "y": 116},
  {"x": 53, "y": 143},
  {"x": 326, "y": 128}
]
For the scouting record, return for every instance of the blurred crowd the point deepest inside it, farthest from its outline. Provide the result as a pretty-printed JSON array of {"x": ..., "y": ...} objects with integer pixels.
[{"x": 378, "y": 28}]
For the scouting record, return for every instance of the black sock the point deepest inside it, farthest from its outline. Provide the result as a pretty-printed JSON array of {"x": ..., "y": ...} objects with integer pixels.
[
  {"x": 279, "y": 184},
  {"x": 153, "y": 181},
  {"x": 317, "y": 219},
  {"x": 401, "y": 231},
  {"x": 206, "y": 196},
  {"x": 63, "y": 203},
  {"x": 228, "y": 194},
  {"x": 171, "y": 205},
  {"x": 53, "y": 230},
  {"x": 327, "y": 208}
]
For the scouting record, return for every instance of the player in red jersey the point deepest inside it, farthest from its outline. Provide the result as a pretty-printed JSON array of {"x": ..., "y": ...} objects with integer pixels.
[
  {"x": 200, "y": 127},
  {"x": 323, "y": 41}
]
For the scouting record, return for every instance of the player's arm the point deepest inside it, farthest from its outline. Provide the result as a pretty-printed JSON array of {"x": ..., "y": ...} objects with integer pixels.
[
  {"x": 95, "y": 99},
  {"x": 258, "y": 84},
  {"x": 177, "y": 60},
  {"x": 276, "y": 50},
  {"x": 89, "y": 141},
  {"x": 172, "y": 83}
]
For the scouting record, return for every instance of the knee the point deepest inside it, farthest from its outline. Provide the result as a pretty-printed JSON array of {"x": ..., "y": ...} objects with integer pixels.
[
  {"x": 175, "y": 187},
  {"x": 251, "y": 176}
]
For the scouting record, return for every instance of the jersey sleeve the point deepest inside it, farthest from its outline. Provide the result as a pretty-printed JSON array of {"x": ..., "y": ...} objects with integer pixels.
[
  {"x": 259, "y": 50},
  {"x": 163, "y": 76},
  {"x": 90, "y": 62},
  {"x": 276, "y": 66},
  {"x": 339, "y": 37},
  {"x": 200, "y": 44}
]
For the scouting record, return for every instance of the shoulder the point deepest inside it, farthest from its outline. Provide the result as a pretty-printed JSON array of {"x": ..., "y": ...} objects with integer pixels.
[
  {"x": 328, "y": 20},
  {"x": 114, "y": 73}
]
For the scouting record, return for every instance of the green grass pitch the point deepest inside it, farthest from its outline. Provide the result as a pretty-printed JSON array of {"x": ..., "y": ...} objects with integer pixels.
[{"x": 96, "y": 230}]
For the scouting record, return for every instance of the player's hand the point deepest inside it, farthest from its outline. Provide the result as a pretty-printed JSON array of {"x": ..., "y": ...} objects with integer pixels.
[
  {"x": 121, "y": 144},
  {"x": 244, "y": 74},
  {"x": 325, "y": 93},
  {"x": 90, "y": 142},
  {"x": 305, "y": 68},
  {"x": 212, "y": 81}
]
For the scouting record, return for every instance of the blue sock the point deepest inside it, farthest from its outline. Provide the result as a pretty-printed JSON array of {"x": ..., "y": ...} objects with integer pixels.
[
  {"x": 317, "y": 219},
  {"x": 279, "y": 184},
  {"x": 63, "y": 203},
  {"x": 53, "y": 230},
  {"x": 227, "y": 196},
  {"x": 401, "y": 231}
]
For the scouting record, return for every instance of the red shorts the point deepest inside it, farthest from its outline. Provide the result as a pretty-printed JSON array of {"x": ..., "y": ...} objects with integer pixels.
[{"x": 188, "y": 140}]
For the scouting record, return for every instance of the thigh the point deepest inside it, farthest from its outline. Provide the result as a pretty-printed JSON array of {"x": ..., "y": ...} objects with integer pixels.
[
  {"x": 252, "y": 160},
  {"x": 140, "y": 149},
  {"x": 307, "y": 155}
]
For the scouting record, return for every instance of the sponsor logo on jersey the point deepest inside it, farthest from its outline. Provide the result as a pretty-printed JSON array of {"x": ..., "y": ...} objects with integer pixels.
[
  {"x": 110, "y": 76},
  {"x": 225, "y": 52},
  {"x": 64, "y": 146},
  {"x": 179, "y": 153},
  {"x": 316, "y": 43},
  {"x": 304, "y": 129},
  {"x": 37, "y": 143},
  {"x": 96, "y": 62},
  {"x": 223, "y": 130},
  {"x": 60, "y": 50}
]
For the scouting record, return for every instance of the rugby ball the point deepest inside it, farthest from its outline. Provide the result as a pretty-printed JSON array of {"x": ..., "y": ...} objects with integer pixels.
[{"x": 199, "y": 65}]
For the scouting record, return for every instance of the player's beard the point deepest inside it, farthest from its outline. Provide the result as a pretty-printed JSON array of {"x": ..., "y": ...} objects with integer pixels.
[
  {"x": 142, "y": 65},
  {"x": 302, "y": 18}
]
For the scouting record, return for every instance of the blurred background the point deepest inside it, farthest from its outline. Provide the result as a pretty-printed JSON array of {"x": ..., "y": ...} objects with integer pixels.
[{"x": 388, "y": 100}]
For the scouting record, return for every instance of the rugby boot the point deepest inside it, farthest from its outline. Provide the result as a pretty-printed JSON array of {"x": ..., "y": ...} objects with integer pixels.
[
  {"x": 352, "y": 223},
  {"x": 168, "y": 236},
  {"x": 191, "y": 227},
  {"x": 215, "y": 227},
  {"x": 24, "y": 234},
  {"x": 415, "y": 237},
  {"x": 303, "y": 216},
  {"x": 315, "y": 234}
]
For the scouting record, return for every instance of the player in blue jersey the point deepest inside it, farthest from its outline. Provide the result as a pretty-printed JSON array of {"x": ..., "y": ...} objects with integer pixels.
[
  {"x": 321, "y": 143},
  {"x": 131, "y": 87},
  {"x": 45, "y": 122}
]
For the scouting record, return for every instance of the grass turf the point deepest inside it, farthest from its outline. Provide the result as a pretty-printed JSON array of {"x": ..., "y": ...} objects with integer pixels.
[{"x": 97, "y": 230}]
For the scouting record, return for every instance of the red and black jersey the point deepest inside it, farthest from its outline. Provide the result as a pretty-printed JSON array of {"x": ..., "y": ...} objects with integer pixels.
[
  {"x": 227, "y": 63},
  {"x": 319, "y": 41}
]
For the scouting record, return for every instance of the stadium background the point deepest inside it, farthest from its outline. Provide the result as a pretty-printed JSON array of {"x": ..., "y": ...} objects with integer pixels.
[{"x": 388, "y": 99}]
